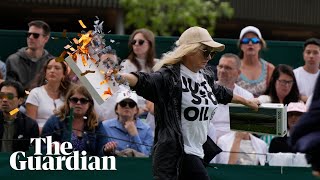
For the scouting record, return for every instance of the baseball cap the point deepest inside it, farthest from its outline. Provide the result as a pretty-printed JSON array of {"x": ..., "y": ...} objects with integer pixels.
[
  {"x": 296, "y": 107},
  {"x": 199, "y": 35},
  {"x": 127, "y": 94},
  {"x": 250, "y": 29}
]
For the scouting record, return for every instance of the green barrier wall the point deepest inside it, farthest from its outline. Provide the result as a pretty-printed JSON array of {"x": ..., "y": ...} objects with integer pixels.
[
  {"x": 278, "y": 52},
  {"x": 140, "y": 169}
]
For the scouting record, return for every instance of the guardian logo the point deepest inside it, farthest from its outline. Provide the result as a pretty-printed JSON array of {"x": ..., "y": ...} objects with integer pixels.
[{"x": 75, "y": 160}]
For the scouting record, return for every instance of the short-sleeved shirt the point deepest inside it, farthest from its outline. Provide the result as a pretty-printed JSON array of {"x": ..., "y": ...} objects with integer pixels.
[
  {"x": 46, "y": 105},
  {"x": 198, "y": 105}
]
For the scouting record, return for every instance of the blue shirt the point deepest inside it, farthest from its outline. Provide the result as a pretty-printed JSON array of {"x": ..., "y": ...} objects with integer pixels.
[{"x": 144, "y": 138}]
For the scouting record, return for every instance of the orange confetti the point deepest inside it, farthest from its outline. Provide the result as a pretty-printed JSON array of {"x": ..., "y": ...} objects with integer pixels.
[
  {"x": 14, "y": 111},
  {"x": 93, "y": 60},
  {"x": 67, "y": 46},
  {"x": 82, "y": 24},
  {"x": 74, "y": 57},
  {"x": 102, "y": 72},
  {"x": 85, "y": 40},
  {"x": 103, "y": 82},
  {"x": 84, "y": 61},
  {"x": 75, "y": 40},
  {"x": 107, "y": 91},
  {"x": 61, "y": 57}
]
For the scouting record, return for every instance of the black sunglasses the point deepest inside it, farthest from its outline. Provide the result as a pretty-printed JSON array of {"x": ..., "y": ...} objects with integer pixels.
[
  {"x": 207, "y": 53},
  {"x": 9, "y": 96},
  {"x": 75, "y": 100},
  {"x": 131, "y": 104},
  {"x": 140, "y": 42},
  {"x": 35, "y": 35}
]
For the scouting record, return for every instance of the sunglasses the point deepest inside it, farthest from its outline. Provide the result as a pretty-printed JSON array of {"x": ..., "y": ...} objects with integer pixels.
[
  {"x": 247, "y": 40},
  {"x": 35, "y": 35},
  {"x": 285, "y": 82},
  {"x": 140, "y": 42},
  {"x": 207, "y": 53},
  {"x": 75, "y": 100},
  {"x": 9, "y": 96},
  {"x": 131, "y": 104}
]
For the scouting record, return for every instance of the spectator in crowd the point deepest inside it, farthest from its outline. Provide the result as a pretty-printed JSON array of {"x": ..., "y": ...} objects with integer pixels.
[
  {"x": 228, "y": 71},
  {"x": 307, "y": 75},
  {"x": 25, "y": 64},
  {"x": 104, "y": 111},
  {"x": 255, "y": 71},
  {"x": 128, "y": 127},
  {"x": 305, "y": 136},
  {"x": 141, "y": 52},
  {"x": 16, "y": 129},
  {"x": 141, "y": 58},
  {"x": 185, "y": 97},
  {"x": 282, "y": 89},
  {"x": 51, "y": 87},
  {"x": 294, "y": 112},
  {"x": 86, "y": 133},
  {"x": 241, "y": 148}
]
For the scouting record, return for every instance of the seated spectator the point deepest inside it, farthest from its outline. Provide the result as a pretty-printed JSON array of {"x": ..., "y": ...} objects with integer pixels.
[
  {"x": 142, "y": 57},
  {"x": 128, "y": 131},
  {"x": 44, "y": 100},
  {"x": 307, "y": 74},
  {"x": 295, "y": 111},
  {"x": 103, "y": 110},
  {"x": 255, "y": 71},
  {"x": 86, "y": 133},
  {"x": 282, "y": 89},
  {"x": 16, "y": 129},
  {"x": 25, "y": 64},
  {"x": 241, "y": 148},
  {"x": 141, "y": 52},
  {"x": 228, "y": 71}
]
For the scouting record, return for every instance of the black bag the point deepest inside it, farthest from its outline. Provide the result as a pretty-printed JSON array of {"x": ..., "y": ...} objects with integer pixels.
[{"x": 210, "y": 150}]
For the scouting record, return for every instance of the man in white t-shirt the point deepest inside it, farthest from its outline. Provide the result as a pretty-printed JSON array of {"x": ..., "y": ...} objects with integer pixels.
[
  {"x": 228, "y": 72},
  {"x": 306, "y": 75}
]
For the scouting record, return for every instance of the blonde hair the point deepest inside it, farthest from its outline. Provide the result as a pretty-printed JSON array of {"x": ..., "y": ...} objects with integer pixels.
[{"x": 175, "y": 56}]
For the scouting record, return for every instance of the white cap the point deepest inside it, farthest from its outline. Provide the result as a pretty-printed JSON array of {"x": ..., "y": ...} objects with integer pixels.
[
  {"x": 250, "y": 29},
  {"x": 199, "y": 35},
  {"x": 297, "y": 107},
  {"x": 127, "y": 94}
]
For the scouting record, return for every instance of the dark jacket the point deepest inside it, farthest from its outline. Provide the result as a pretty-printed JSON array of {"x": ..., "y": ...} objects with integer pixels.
[
  {"x": 164, "y": 88},
  {"x": 21, "y": 68},
  {"x": 95, "y": 139},
  {"x": 280, "y": 144},
  {"x": 25, "y": 129},
  {"x": 306, "y": 133}
]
